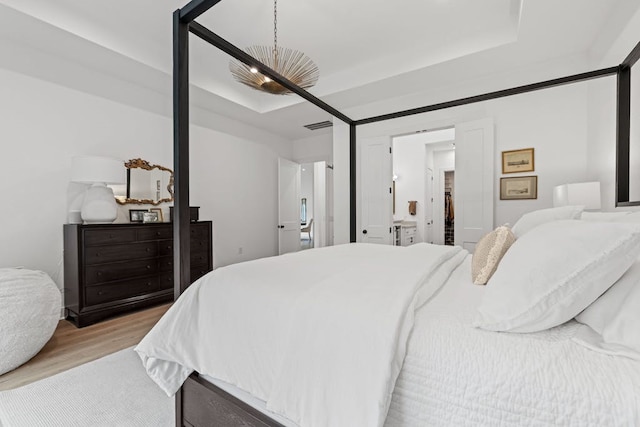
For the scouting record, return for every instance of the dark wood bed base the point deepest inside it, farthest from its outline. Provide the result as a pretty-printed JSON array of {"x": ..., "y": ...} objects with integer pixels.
[{"x": 200, "y": 403}]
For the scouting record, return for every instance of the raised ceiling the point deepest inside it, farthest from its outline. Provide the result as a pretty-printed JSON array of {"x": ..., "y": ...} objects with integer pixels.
[{"x": 367, "y": 51}]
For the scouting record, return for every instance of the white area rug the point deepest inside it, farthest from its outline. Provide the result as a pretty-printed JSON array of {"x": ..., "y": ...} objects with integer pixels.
[{"x": 111, "y": 391}]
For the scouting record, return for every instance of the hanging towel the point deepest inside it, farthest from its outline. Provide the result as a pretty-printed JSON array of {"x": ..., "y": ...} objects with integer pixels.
[{"x": 412, "y": 207}]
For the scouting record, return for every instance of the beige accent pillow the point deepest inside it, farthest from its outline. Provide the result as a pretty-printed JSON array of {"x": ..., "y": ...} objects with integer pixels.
[{"x": 488, "y": 253}]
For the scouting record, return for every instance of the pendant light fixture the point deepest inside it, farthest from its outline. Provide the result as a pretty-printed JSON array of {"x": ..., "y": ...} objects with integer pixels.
[{"x": 291, "y": 64}]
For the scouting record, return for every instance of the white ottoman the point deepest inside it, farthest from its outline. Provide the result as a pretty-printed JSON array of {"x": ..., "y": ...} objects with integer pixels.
[{"x": 29, "y": 314}]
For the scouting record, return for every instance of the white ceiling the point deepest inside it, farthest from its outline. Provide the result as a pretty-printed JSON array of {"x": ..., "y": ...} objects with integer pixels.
[{"x": 367, "y": 50}]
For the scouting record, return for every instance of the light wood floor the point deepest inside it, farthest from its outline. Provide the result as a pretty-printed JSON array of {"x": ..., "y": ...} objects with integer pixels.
[{"x": 70, "y": 346}]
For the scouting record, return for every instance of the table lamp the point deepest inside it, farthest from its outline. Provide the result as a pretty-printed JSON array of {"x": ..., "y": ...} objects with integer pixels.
[
  {"x": 99, "y": 204},
  {"x": 585, "y": 194}
]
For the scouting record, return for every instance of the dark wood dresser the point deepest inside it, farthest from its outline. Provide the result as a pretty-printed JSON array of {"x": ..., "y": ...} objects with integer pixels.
[{"x": 112, "y": 269}]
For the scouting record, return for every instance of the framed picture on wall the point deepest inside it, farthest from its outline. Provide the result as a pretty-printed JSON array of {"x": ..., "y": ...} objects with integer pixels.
[
  {"x": 515, "y": 161},
  {"x": 519, "y": 188}
]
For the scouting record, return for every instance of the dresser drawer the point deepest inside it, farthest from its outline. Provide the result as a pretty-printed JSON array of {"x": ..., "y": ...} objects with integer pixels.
[
  {"x": 197, "y": 273},
  {"x": 199, "y": 231},
  {"x": 109, "y": 237},
  {"x": 199, "y": 258},
  {"x": 104, "y": 254},
  {"x": 409, "y": 231},
  {"x": 165, "y": 248},
  {"x": 165, "y": 263},
  {"x": 101, "y": 294},
  {"x": 166, "y": 281},
  {"x": 155, "y": 233},
  {"x": 196, "y": 246},
  {"x": 119, "y": 270},
  {"x": 199, "y": 245}
]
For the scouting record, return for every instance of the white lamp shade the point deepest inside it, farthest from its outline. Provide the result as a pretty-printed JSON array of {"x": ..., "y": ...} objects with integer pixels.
[
  {"x": 92, "y": 169},
  {"x": 585, "y": 194}
]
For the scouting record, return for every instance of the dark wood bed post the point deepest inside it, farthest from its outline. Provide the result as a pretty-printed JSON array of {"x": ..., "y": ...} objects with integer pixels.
[
  {"x": 352, "y": 178},
  {"x": 623, "y": 129},
  {"x": 181, "y": 250}
]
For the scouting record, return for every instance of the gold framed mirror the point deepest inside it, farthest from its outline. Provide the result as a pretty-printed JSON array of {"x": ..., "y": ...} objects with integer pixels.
[{"x": 147, "y": 184}]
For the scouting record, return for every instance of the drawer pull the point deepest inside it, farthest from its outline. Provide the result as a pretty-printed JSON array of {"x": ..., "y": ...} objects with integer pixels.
[
  {"x": 157, "y": 233},
  {"x": 168, "y": 246},
  {"x": 100, "y": 293},
  {"x": 99, "y": 273},
  {"x": 148, "y": 267},
  {"x": 148, "y": 249},
  {"x": 148, "y": 283}
]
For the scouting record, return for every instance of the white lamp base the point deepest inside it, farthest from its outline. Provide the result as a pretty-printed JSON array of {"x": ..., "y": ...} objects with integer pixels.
[{"x": 99, "y": 205}]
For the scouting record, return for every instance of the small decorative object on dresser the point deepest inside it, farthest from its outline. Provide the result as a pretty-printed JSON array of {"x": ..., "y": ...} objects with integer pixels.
[
  {"x": 159, "y": 212},
  {"x": 137, "y": 215},
  {"x": 150, "y": 217},
  {"x": 116, "y": 268}
]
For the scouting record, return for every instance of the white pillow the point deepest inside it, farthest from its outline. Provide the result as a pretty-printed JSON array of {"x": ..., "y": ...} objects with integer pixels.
[
  {"x": 531, "y": 220},
  {"x": 488, "y": 253},
  {"x": 554, "y": 272},
  {"x": 614, "y": 318},
  {"x": 604, "y": 216},
  {"x": 633, "y": 217}
]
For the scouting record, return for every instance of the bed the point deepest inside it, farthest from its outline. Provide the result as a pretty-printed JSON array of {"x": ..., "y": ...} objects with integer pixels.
[
  {"x": 384, "y": 335},
  {"x": 448, "y": 354}
]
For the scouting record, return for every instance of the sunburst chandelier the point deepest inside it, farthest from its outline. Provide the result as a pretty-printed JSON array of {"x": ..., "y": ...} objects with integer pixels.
[{"x": 291, "y": 64}]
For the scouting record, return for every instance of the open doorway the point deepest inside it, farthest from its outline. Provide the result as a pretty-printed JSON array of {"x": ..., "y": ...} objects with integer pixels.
[
  {"x": 419, "y": 163},
  {"x": 316, "y": 221},
  {"x": 449, "y": 210}
]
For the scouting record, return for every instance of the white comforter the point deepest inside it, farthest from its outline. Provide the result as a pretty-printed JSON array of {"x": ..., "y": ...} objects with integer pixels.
[
  {"x": 319, "y": 335},
  {"x": 458, "y": 375}
]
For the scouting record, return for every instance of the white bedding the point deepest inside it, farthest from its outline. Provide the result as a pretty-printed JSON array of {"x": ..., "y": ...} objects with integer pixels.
[
  {"x": 304, "y": 332},
  {"x": 454, "y": 374}
]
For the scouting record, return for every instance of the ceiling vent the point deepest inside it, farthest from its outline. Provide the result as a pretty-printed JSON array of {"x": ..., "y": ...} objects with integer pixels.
[{"x": 319, "y": 125}]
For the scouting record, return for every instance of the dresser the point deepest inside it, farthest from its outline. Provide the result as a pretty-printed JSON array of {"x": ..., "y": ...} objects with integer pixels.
[
  {"x": 408, "y": 234},
  {"x": 112, "y": 269},
  {"x": 404, "y": 233}
]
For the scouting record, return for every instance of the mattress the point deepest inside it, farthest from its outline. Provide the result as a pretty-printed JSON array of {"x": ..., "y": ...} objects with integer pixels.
[{"x": 454, "y": 374}]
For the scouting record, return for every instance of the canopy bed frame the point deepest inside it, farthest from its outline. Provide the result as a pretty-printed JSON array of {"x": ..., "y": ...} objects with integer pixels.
[{"x": 199, "y": 402}]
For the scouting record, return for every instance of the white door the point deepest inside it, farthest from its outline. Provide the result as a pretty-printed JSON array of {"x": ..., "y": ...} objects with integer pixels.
[
  {"x": 473, "y": 199},
  {"x": 288, "y": 206},
  {"x": 428, "y": 207},
  {"x": 376, "y": 182}
]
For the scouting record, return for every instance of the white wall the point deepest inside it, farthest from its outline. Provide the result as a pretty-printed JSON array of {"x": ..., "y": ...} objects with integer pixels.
[
  {"x": 553, "y": 121},
  {"x": 44, "y": 125},
  {"x": 341, "y": 186},
  {"x": 409, "y": 166},
  {"x": 316, "y": 148}
]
